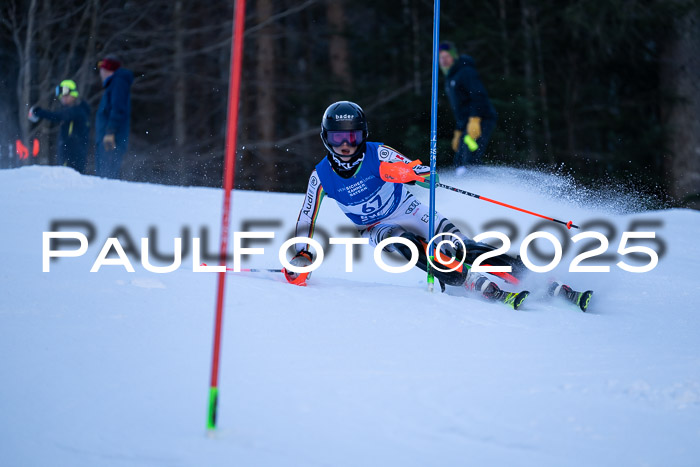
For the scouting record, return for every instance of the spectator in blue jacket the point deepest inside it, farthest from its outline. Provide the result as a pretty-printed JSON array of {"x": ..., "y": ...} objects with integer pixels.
[
  {"x": 113, "y": 115},
  {"x": 474, "y": 114},
  {"x": 74, "y": 134}
]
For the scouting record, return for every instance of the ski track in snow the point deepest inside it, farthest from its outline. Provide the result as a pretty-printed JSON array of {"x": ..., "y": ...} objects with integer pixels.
[{"x": 362, "y": 368}]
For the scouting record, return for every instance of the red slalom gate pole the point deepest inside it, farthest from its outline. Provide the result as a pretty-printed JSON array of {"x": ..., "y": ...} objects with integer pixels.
[
  {"x": 229, "y": 171},
  {"x": 568, "y": 225}
]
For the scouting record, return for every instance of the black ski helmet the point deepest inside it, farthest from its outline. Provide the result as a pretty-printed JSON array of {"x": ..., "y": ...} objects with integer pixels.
[{"x": 344, "y": 116}]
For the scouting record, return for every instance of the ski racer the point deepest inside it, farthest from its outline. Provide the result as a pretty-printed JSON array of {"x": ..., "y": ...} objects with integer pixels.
[{"x": 366, "y": 179}]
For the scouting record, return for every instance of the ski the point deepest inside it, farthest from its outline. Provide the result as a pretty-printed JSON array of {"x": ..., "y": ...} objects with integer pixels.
[{"x": 580, "y": 299}]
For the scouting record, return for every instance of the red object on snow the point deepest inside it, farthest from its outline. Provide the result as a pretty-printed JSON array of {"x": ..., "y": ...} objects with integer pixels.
[{"x": 22, "y": 150}]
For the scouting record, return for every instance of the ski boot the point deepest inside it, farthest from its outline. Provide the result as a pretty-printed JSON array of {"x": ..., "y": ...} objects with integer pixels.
[
  {"x": 581, "y": 299},
  {"x": 489, "y": 290}
]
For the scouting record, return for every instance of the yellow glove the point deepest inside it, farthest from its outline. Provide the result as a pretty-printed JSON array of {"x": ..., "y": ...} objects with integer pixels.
[
  {"x": 456, "y": 139},
  {"x": 474, "y": 127},
  {"x": 109, "y": 143}
]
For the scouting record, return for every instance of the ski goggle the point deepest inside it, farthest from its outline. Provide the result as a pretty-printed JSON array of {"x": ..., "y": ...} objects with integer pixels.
[{"x": 352, "y": 137}]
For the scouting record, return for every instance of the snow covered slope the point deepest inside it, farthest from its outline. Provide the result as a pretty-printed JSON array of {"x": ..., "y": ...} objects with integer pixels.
[{"x": 364, "y": 368}]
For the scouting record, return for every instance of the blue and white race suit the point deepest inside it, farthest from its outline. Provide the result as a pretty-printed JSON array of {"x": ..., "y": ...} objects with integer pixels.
[{"x": 379, "y": 209}]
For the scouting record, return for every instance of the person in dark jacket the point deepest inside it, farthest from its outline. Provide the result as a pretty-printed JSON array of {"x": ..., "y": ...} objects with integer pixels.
[
  {"x": 113, "y": 115},
  {"x": 475, "y": 117},
  {"x": 74, "y": 134}
]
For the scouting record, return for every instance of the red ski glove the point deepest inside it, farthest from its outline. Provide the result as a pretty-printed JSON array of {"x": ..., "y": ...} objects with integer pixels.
[{"x": 301, "y": 259}]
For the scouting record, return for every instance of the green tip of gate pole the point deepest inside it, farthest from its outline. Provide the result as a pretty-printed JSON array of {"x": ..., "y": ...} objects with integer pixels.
[
  {"x": 213, "y": 403},
  {"x": 431, "y": 278}
]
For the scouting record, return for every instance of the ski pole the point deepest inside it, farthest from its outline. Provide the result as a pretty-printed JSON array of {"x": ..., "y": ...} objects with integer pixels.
[
  {"x": 250, "y": 269},
  {"x": 257, "y": 270},
  {"x": 568, "y": 225}
]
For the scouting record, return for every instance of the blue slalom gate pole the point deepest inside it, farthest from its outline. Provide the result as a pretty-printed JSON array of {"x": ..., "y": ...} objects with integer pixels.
[{"x": 433, "y": 138}]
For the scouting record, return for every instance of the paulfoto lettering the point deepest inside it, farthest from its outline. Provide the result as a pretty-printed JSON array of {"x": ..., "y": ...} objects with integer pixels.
[{"x": 437, "y": 242}]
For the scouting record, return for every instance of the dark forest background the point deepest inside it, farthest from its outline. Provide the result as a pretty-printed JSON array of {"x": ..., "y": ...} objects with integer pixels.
[{"x": 605, "y": 90}]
